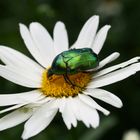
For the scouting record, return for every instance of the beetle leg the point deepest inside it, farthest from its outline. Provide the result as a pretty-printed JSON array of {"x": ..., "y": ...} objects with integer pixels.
[
  {"x": 65, "y": 79},
  {"x": 68, "y": 80},
  {"x": 66, "y": 74}
]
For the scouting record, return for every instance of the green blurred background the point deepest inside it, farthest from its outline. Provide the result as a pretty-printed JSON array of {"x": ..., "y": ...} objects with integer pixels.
[{"x": 124, "y": 37}]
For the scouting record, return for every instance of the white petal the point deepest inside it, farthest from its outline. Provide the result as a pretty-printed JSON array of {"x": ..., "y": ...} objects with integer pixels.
[
  {"x": 114, "y": 76},
  {"x": 89, "y": 101},
  {"x": 14, "y": 58},
  {"x": 108, "y": 59},
  {"x": 85, "y": 113},
  {"x": 14, "y": 118},
  {"x": 31, "y": 46},
  {"x": 60, "y": 38},
  {"x": 100, "y": 39},
  {"x": 105, "y": 96},
  {"x": 39, "y": 121},
  {"x": 20, "y": 98},
  {"x": 44, "y": 100},
  {"x": 43, "y": 42},
  {"x": 20, "y": 76},
  {"x": 68, "y": 115},
  {"x": 118, "y": 66},
  {"x": 12, "y": 108},
  {"x": 87, "y": 34}
]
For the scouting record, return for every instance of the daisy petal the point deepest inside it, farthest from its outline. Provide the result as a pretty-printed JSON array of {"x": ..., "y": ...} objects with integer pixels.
[
  {"x": 20, "y": 76},
  {"x": 31, "y": 46},
  {"x": 118, "y": 66},
  {"x": 68, "y": 116},
  {"x": 105, "y": 96},
  {"x": 89, "y": 101},
  {"x": 44, "y": 100},
  {"x": 114, "y": 76},
  {"x": 100, "y": 39},
  {"x": 60, "y": 38},
  {"x": 14, "y": 118},
  {"x": 43, "y": 42},
  {"x": 39, "y": 121},
  {"x": 20, "y": 98},
  {"x": 108, "y": 59},
  {"x": 12, "y": 108},
  {"x": 87, "y": 34},
  {"x": 61, "y": 104},
  {"x": 85, "y": 113},
  {"x": 14, "y": 58}
]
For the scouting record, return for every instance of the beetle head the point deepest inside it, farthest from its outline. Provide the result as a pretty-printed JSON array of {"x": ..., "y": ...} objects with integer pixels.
[{"x": 50, "y": 73}]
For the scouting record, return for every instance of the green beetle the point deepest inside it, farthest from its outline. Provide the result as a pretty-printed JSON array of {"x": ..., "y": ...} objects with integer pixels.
[{"x": 72, "y": 62}]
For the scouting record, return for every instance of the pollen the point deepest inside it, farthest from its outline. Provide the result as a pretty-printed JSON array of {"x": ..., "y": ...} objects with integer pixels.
[{"x": 57, "y": 86}]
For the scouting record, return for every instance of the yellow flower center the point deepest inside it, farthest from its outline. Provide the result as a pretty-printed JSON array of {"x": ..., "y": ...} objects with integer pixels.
[{"x": 57, "y": 86}]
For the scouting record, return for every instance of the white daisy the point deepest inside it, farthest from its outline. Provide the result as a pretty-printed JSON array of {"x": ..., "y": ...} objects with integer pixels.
[
  {"x": 39, "y": 106},
  {"x": 131, "y": 135}
]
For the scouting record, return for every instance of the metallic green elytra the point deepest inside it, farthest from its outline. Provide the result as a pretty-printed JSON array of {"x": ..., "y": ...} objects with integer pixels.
[{"x": 73, "y": 61}]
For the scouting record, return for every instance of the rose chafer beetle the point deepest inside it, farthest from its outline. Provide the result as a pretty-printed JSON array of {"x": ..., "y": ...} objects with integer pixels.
[{"x": 73, "y": 61}]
